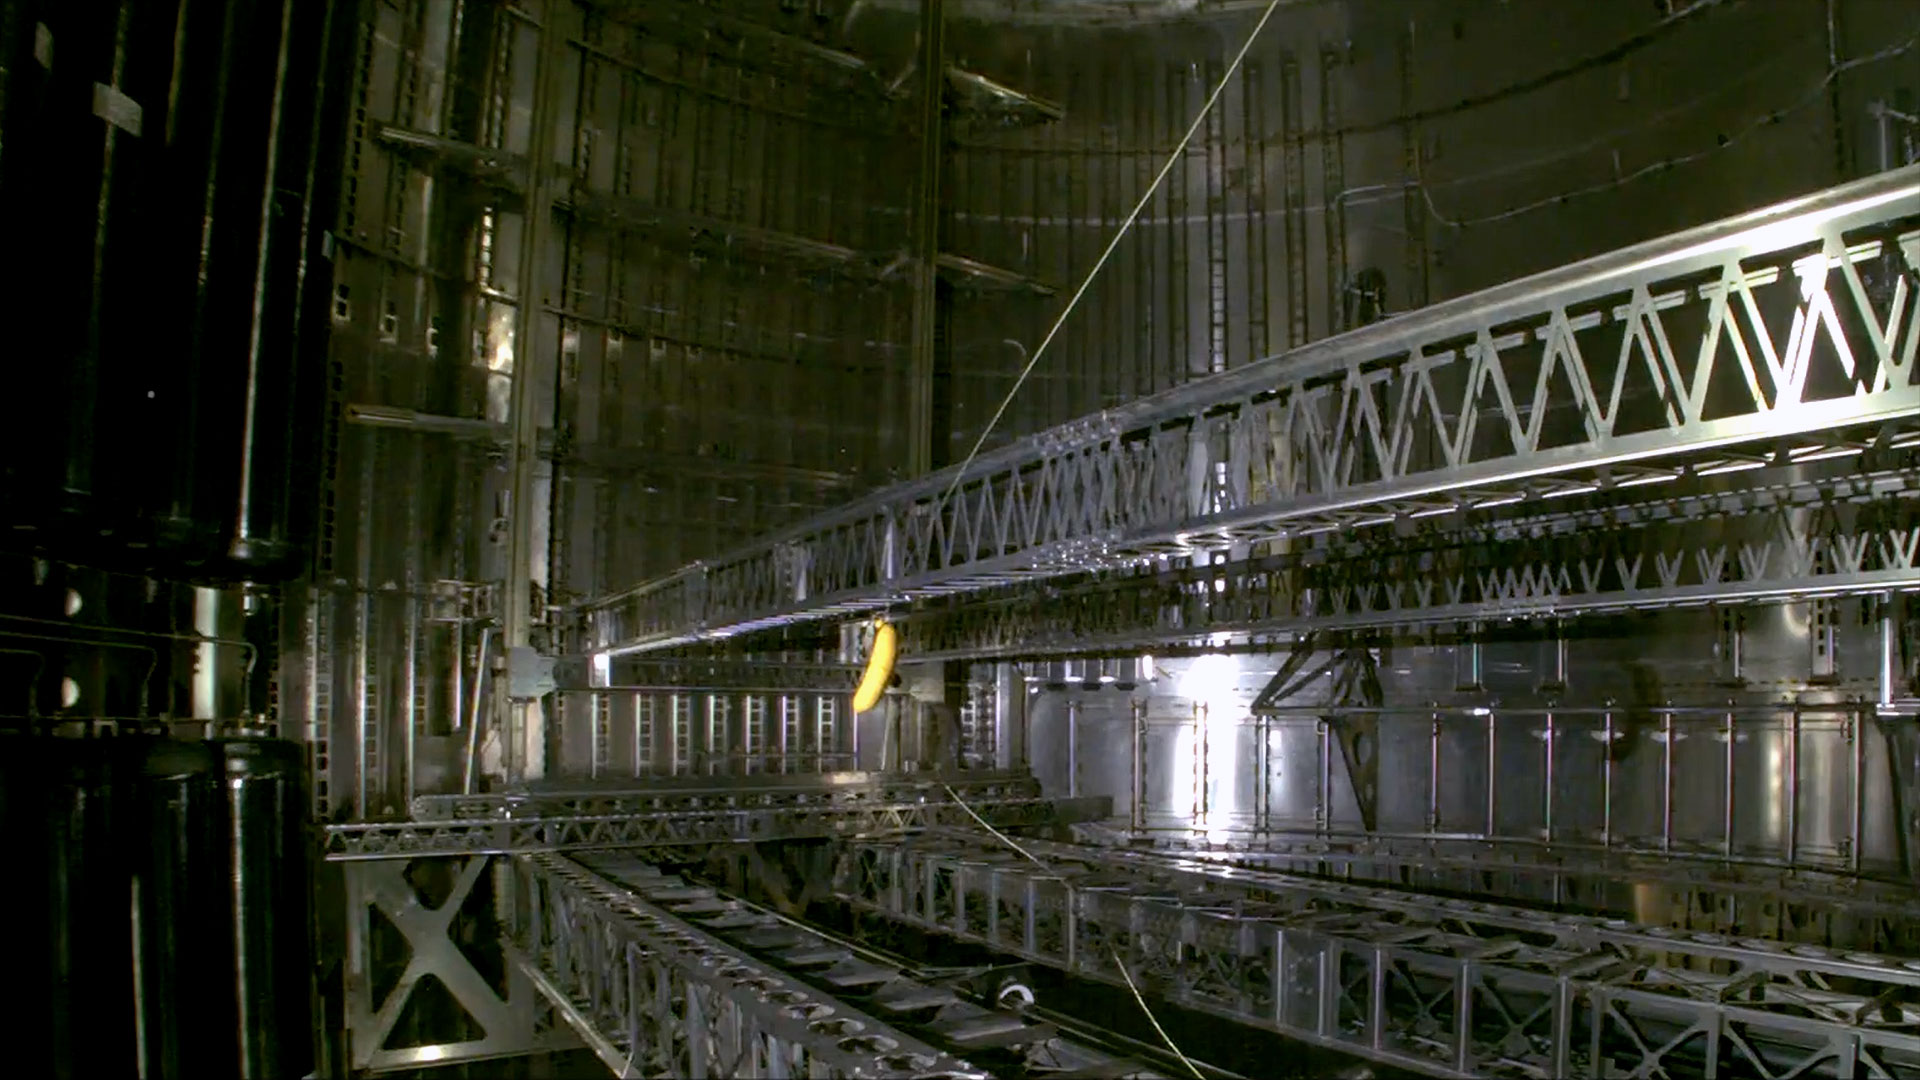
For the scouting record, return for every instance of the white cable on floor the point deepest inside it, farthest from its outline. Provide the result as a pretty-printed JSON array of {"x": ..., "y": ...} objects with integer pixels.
[
  {"x": 1119, "y": 234},
  {"x": 1117, "y": 962}
]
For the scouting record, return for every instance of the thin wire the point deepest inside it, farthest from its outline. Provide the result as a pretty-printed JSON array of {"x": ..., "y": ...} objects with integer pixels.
[
  {"x": 1117, "y": 962},
  {"x": 1119, "y": 234},
  {"x": 1151, "y": 1019},
  {"x": 1811, "y": 97},
  {"x": 1004, "y": 838}
]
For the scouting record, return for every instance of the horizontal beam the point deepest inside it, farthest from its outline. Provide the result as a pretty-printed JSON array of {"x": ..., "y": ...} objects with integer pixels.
[
  {"x": 417, "y": 839},
  {"x": 678, "y": 795},
  {"x": 1794, "y": 319},
  {"x": 1445, "y": 987},
  {"x": 654, "y": 995},
  {"x": 933, "y": 1010},
  {"x": 1746, "y": 899},
  {"x": 1825, "y": 537}
]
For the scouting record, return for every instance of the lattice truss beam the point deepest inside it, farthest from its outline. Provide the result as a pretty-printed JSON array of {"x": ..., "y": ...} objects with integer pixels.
[
  {"x": 1795, "y": 906},
  {"x": 677, "y": 796},
  {"x": 1444, "y": 987},
  {"x": 654, "y": 995},
  {"x": 934, "y": 1010},
  {"x": 1796, "y": 319},
  {"x": 414, "y": 839},
  {"x": 1832, "y": 536}
]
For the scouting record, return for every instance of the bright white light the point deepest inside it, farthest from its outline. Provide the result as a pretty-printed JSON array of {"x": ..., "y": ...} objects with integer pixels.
[
  {"x": 1817, "y": 453},
  {"x": 1734, "y": 466},
  {"x": 1211, "y": 680},
  {"x": 1656, "y": 478}
]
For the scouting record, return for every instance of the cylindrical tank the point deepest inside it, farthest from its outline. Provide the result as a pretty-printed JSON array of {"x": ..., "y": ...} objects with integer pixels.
[
  {"x": 162, "y": 907},
  {"x": 167, "y": 166},
  {"x": 82, "y": 81},
  {"x": 182, "y": 943},
  {"x": 67, "y": 908},
  {"x": 268, "y": 857}
]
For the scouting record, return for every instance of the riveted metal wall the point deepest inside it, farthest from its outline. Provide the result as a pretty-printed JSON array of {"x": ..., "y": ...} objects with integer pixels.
[{"x": 1442, "y": 147}]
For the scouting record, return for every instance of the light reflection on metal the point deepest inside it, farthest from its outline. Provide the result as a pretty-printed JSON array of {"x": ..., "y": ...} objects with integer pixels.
[
  {"x": 1630, "y": 780},
  {"x": 1828, "y": 536},
  {"x": 1360, "y": 423},
  {"x": 410, "y": 839},
  {"x": 1445, "y": 987},
  {"x": 655, "y": 994}
]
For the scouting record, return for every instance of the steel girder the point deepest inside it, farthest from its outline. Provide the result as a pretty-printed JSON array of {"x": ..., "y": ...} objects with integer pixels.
[
  {"x": 1445, "y": 987},
  {"x": 1794, "y": 319},
  {"x": 656, "y": 996},
  {"x": 416, "y": 839},
  {"x": 1797, "y": 906},
  {"x": 510, "y": 1022},
  {"x": 1805, "y": 538},
  {"x": 764, "y": 792},
  {"x": 857, "y": 976}
]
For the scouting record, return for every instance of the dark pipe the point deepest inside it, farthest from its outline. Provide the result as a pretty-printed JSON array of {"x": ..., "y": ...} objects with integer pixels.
[{"x": 269, "y": 876}]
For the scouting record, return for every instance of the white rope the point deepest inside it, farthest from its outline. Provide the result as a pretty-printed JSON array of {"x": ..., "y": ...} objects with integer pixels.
[
  {"x": 1117, "y": 962},
  {"x": 1118, "y": 235}
]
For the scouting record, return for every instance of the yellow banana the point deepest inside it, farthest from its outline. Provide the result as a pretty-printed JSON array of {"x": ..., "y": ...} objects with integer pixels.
[{"x": 886, "y": 648}]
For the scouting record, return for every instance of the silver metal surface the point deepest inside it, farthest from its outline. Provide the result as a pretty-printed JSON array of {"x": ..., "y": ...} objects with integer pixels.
[
  {"x": 1801, "y": 787},
  {"x": 417, "y": 839},
  {"x": 830, "y": 789},
  {"x": 655, "y": 995},
  {"x": 1443, "y": 987},
  {"x": 511, "y": 1024},
  {"x": 857, "y": 975},
  {"x": 1361, "y": 428},
  {"x": 1784, "y": 538},
  {"x": 1809, "y": 907}
]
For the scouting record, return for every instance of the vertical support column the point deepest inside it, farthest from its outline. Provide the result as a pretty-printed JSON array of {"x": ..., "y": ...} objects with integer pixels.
[
  {"x": 1138, "y": 809},
  {"x": 1413, "y": 201},
  {"x": 523, "y": 749},
  {"x": 602, "y": 714},
  {"x": 922, "y": 438},
  {"x": 367, "y": 697},
  {"x": 319, "y": 660},
  {"x": 1547, "y": 810},
  {"x": 681, "y": 762},
  {"x": 1333, "y": 184},
  {"x": 826, "y": 734},
  {"x": 644, "y": 708},
  {"x": 789, "y": 730},
  {"x": 1888, "y": 682},
  {"x": 1009, "y": 717},
  {"x": 1073, "y": 748},
  {"x": 1294, "y": 176},
  {"x": 1200, "y": 768},
  {"x": 1493, "y": 776},
  {"x": 413, "y": 699}
]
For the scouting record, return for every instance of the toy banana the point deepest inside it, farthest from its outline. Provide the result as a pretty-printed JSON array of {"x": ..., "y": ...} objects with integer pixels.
[{"x": 886, "y": 648}]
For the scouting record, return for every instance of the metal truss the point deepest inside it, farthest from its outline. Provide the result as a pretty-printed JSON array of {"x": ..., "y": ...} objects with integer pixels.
[
  {"x": 654, "y": 995},
  {"x": 510, "y": 1023},
  {"x": 1842, "y": 535},
  {"x": 858, "y": 976},
  {"x": 691, "y": 674},
  {"x": 1791, "y": 320},
  {"x": 415, "y": 839},
  {"x": 1441, "y": 986},
  {"x": 765, "y": 792},
  {"x": 1798, "y": 906}
]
